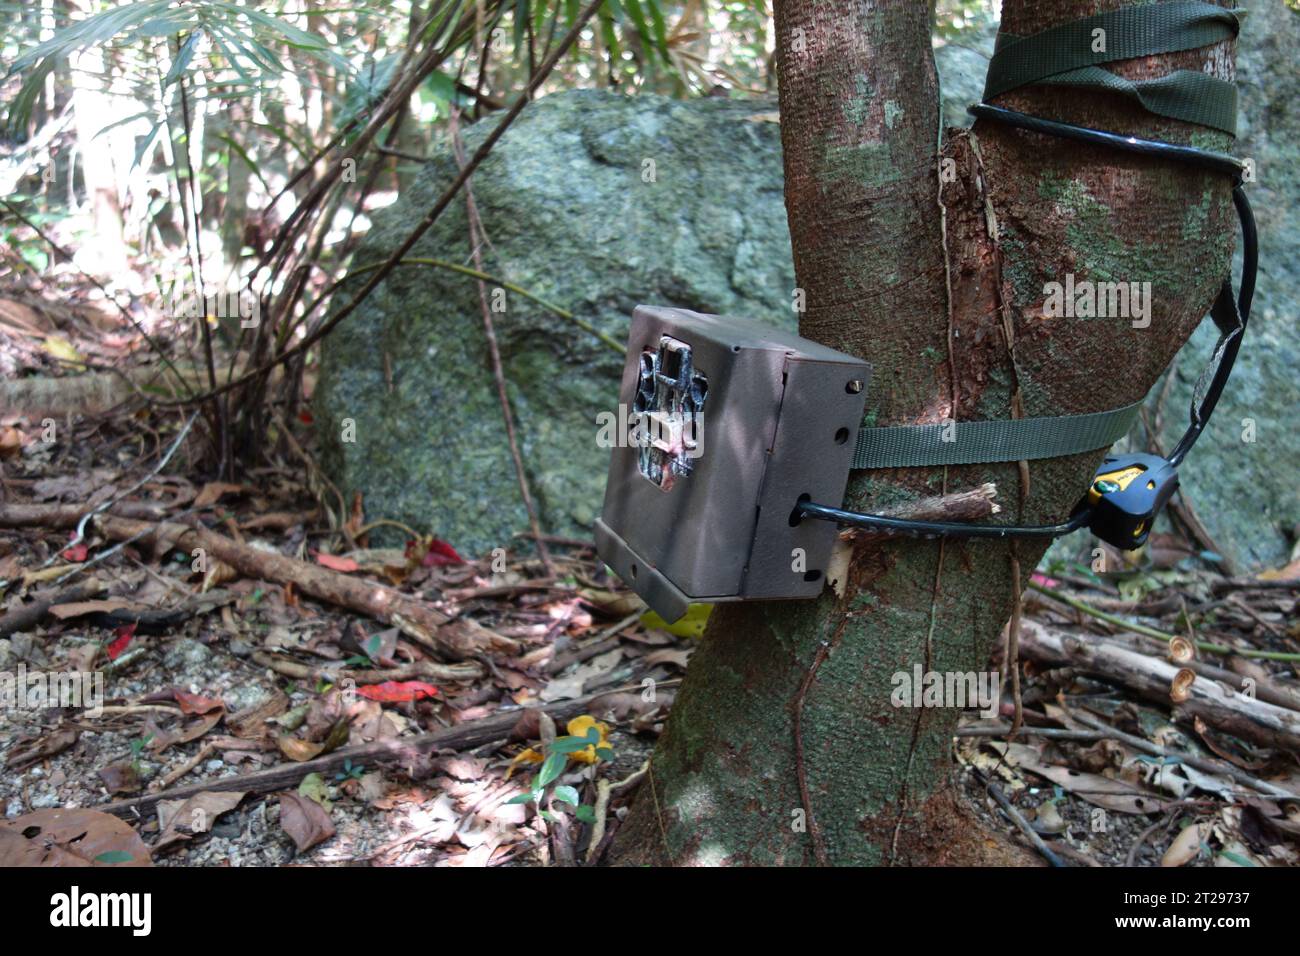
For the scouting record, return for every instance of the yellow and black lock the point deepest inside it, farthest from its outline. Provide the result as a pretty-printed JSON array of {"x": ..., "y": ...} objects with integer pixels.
[{"x": 1126, "y": 494}]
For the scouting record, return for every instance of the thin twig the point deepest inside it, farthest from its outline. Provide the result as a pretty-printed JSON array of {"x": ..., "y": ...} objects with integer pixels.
[
  {"x": 1013, "y": 639},
  {"x": 432, "y": 216},
  {"x": 186, "y": 767},
  {"x": 196, "y": 212},
  {"x": 1131, "y": 859},
  {"x": 1200, "y": 763},
  {"x": 484, "y": 277},
  {"x": 1019, "y": 820},
  {"x": 814, "y": 831},
  {"x": 1048, "y": 733},
  {"x": 1137, "y": 628},
  {"x": 476, "y": 236}
]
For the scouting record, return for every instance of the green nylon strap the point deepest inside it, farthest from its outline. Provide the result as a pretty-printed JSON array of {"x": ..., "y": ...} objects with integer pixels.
[
  {"x": 1065, "y": 55},
  {"x": 968, "y": 443}
]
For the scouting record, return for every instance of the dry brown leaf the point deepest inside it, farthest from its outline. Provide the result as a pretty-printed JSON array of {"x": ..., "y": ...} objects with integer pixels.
[
  {"x": 213, "y": 491},
  {"x": 250, "y": 723},
  {"x": 190, "y": 730},
  {"x": 304, "y": 820},
  {"x": 121, "y": 777},
  {"x": 81, "y": 608},
  {"x": 29, "y": 750},
  {"x": 676, "y": 657},
  {"x": 70, "y": 838},
  {"x": 10, "y": 567},
  {"x": 218, "y": 573},
  {"x": 180, "y": 819},
  {"x": 194, "y": 704},
  {"x": 1290, "y": 572},
  {"x": 1116, "y": 795},
  {"x": 1185, "y": 848},
  {"x": 299, "y": 750},
  {"x": 613, "y": 603},
  {"x": 396, "y": 798},
  {"x": 571, "y": 685}
]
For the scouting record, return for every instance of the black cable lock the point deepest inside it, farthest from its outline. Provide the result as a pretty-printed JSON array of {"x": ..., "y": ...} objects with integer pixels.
[{"x": 1128, "y": 491}]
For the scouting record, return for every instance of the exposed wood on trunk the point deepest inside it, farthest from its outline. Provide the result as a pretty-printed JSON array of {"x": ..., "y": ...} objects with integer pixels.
[{"x": 960, "y": 506}]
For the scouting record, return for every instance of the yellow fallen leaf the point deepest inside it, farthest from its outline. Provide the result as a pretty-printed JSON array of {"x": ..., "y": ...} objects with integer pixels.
[
  {"x": 528, "y": 756},
  {"x": 1290, "y": 572},
  {"x": 690, "y": 624},
  {"x": 299, "y": 750},
  {"x": 45, "y": 574},
  {"x": 62, "y": 349},
  {"x": 578, "y": 727},
  {"x": 11, "y": 441}
]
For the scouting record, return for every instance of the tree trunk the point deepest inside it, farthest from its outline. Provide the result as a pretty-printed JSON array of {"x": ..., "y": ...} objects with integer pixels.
[{"x": 784, "y": 746}]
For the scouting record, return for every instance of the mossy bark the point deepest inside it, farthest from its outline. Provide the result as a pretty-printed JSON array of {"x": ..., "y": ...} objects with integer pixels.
[{"x": 784, "y": 746}]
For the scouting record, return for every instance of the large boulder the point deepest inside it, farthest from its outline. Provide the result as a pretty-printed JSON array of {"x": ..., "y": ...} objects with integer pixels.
[
  {"x": 1246, "y": 492},
  {"x": 594, "y": 202}
]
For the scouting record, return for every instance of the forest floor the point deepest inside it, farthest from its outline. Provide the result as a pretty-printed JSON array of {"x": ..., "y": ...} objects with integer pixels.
[{"x": 301, "y": 697}]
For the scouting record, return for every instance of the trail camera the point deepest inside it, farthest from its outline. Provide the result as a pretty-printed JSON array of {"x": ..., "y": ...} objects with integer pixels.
[{"x": 723, "y": 424}]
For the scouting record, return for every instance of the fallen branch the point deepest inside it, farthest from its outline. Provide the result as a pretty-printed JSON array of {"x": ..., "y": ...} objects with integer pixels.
[
  {"x": 1254, "y": 584},
  {"x": 1265, "y": 688},
  {"x": 162, "y": 620},
  {"x": 390, "y": 750},
  {"x": 56, "y": 515},
  {"x": 1226, "y": 710},
  {"x": 460, "y": 639},
  {"x": 26, "y": 616}
]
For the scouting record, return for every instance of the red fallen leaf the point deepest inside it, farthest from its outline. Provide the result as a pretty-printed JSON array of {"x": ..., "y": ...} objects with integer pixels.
[
  {"x": 193, "y": 703},
  {"x": 395, "y": 692},
  {"x": 77, "y": 552},
  {"x": 121, "y": 638},
  {"x": 440, "y": 553},
  {"x": 336, "y": 563}
]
